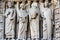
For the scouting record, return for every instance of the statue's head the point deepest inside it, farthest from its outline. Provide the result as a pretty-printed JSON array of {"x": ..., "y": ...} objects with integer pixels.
[
  {"x": 10, "y": 4},
  {"x": 46, "y": 3},
  {"x": 29, "y": 1},
  {"x": 22, "y": 6},
  {"x": 34, "y": 4},
  {"x": 56, "y": 2}
]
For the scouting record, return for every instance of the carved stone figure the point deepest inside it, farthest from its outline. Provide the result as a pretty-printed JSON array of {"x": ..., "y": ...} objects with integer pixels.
[
  {"x": 28, "y": 5},
  {"x": 9, "y": 21},
  {"x": 47, "y": 22},
  {"x": 22, "y": 18},
  {"x": 34, "y": 20}
]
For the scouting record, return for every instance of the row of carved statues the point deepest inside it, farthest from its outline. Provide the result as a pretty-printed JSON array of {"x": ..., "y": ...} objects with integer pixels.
[{"x": 21, "y": 16}]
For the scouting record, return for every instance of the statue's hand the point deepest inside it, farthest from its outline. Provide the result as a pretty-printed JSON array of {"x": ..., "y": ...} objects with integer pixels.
[
  {"x": 34, "y": 17},
  {"x": 5, "y": 15},
  {"x": 24, "y": 19},
  {"x": 11, "y": 18}
]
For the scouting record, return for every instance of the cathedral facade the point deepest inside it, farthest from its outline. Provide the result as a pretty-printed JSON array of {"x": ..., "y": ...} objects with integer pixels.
[{"x": 30, "y": 20}]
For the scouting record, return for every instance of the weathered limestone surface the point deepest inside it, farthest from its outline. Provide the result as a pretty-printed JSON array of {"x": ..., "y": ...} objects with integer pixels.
[
  {"x": 34, "y": 20},
  {"x": 30, "y": 28},
  {"x": 10, "y": 21},
  {"x": 47, "y": 25},
  {"x": 1, "y": 26},
  {"x": 57, "y": 19},
  {"x": 1, "y": 21},
  {"x": 22, "y": 18}
]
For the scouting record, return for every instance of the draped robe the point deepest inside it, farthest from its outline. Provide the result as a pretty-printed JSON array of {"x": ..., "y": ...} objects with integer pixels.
[
  {"x": 34, "y": 20},
  {"x": 10, "y": 23},
  {"x": 47, "y": 23},
  {"x": 22, "y": 18}
]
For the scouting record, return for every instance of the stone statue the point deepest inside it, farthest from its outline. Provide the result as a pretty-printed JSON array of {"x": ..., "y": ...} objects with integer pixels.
[
  {"x": 22, "y": 18},
  {"x": 10, "y": 21},
  {"x": 34, "y": 20},
  {"x": 47, "y": 26},
  {"x": 28, "y": 5}
]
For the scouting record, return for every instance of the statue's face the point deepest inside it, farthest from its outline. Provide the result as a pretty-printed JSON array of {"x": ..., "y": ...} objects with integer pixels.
[
  {"x": 22, "y": 6},
  {"x": 34, "y": 5},
  {"x": 46, "y": 4},
  {"x": 55, "y": 2},
  {"x": 9, "y": 4},
  {"x": 29, "y": 1}
]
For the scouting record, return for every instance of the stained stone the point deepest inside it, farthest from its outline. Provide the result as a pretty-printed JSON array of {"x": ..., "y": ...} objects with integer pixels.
[
  {"x": 57, "y": 19},
  {"x": 45, "y": 31}
]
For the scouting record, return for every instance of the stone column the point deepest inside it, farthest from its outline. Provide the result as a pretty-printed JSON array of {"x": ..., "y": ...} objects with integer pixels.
[
  {"x": 57, "y": 19},
  {"x": 2, "y": 5},
  {"x": 41, "y": 5},
  {"x": 28, "y": 27},
  {"x": 17, "y": 7}
]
